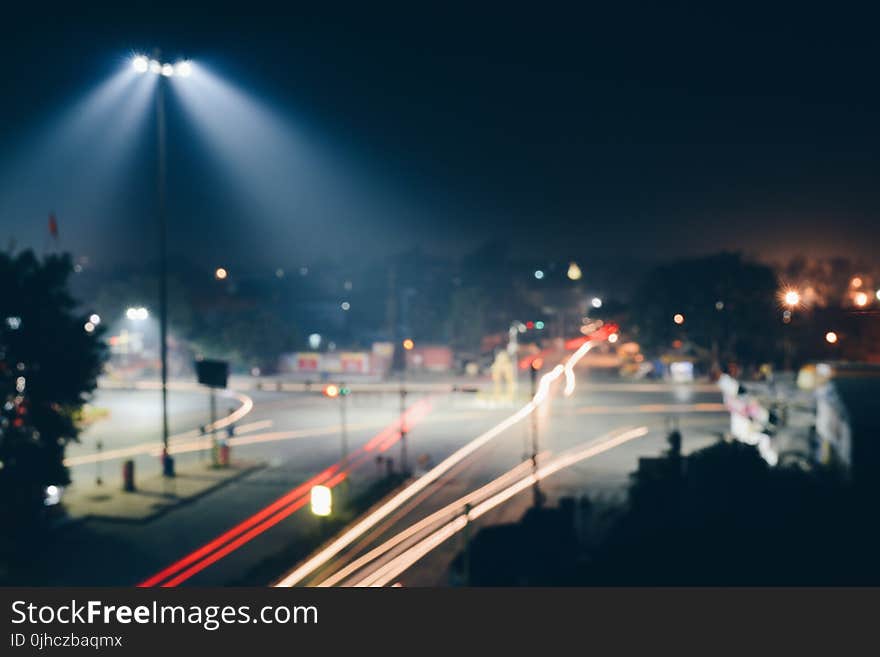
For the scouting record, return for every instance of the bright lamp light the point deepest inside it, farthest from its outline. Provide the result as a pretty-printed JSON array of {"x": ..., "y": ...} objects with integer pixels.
[
  {"x": 183, "y": 69},
  {"x": 140, "y": 64},
  {"x": 167, "y": 70}
]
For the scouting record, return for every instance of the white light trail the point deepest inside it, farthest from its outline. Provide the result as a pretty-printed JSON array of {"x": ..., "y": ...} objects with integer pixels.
[
  {"x": 391, "y": 570},
  {"x": 370, "y": 520}
]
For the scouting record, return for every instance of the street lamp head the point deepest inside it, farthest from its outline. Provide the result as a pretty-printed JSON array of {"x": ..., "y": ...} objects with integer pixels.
[
  {"x": 155, "y": 67},
  {"x": 137, "y": 313},
  {"x": 183, "y": 69},
  {"x": 140, "y": 64},
  {"x": 167, "y": 70},
  {"x": 792, "y": 298}
]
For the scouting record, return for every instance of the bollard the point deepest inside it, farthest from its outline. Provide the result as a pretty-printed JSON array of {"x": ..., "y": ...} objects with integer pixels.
[
  {"x": 224, "y": 454},
  {"x": 128, "y": 476}
]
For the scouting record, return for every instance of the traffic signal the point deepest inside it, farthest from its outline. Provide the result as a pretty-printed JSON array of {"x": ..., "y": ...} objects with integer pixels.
[{"x": 332, "y": 390}]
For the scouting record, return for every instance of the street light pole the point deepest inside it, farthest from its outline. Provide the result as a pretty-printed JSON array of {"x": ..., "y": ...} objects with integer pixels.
[{"x": 163, "y": 263}]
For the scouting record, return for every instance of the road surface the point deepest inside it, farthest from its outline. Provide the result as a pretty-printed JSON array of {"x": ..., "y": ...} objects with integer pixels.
[{"x": 297, "y": 435}]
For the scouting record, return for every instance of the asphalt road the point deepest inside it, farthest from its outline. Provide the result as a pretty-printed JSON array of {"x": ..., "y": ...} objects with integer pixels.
[{"x": 298, "y": 435}]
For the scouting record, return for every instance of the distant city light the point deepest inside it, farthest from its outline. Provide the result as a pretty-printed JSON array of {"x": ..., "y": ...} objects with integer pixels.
[
  {"x": 347, "y": 285},
  {"x": 408, "y": 344},
  {"x": 596, "y": 302},
  {"x": 539, "y": 325},
  {"x": 345, "y": 305},
  {"x": 861, "y": 299},
  {"x": 719, "y": 305},
  {"x": 831, "y": 337},
  {"x": 89, "y": 327},
  {"x": 331, "y": 390},
  {"x": 856, "y": 282},
  {"x": 792, "y": 298},
  {"x": 167, "y": 70},
  {"x": 13, "y": 322},
  {"x": 314, "y": 341},
  {"x": 220, "y": 273},
  {"x": 137, "y": 314},
  {"x": 539, "y": 274},
  {"x": 574, "y": 272},
  {"x": 53, "y": 495},
  {"x": 678, "y": 318},
  {"x": 279, "y": 273},
  {"x": 303, "y": 271},
  {"x": 95, "y": 319},
  {"x": 614, "y": 337}
]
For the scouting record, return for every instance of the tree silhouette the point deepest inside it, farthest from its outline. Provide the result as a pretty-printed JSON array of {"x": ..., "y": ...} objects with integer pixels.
[{"x": 49, "y": 364}]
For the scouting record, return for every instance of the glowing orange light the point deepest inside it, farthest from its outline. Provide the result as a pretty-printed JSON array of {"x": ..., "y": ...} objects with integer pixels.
[
  {"x": 537, "y": 364},
  {"x": 831, "y": 337},
  {"x": 856, "y": 282},
  {"x": 678, "y": 318},
  {"x": 331, "y": 390},
  {"x": 861, "y": 299},
  {"x": 408, "y": 344},
  {"x": 220, "y": 273},
  {"x": 792, "y": 298}
]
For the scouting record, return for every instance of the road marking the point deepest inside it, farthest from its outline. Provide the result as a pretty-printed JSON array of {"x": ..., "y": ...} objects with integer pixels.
[{"x": 652, "y": 408}]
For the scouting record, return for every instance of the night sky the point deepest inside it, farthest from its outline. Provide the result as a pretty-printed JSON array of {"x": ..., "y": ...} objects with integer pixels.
[{"x": 635, "y": 131}]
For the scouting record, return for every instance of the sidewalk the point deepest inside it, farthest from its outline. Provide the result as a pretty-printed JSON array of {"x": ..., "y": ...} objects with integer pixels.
[{"x": 154, "y": 496}]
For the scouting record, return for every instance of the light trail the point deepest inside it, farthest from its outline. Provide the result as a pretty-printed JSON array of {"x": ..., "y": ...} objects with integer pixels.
[
  {"x": 426, "y": 523},
  {"x": 154, "y": 447},
  {"x": 399, "y": 564},
  {"x": 708, "y": 407},
  {"x": 275, "y": 512},
  {"x": 370, "y": 520}
]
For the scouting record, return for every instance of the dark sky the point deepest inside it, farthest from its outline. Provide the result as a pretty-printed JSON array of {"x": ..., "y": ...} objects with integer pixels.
[{"x": 623, "y": 129}]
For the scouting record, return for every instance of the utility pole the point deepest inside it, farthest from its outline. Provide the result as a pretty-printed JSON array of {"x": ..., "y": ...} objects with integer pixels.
[
  {"x": 535, "y": 366},
  {"x": 343, "y": 424},
  {"x": 167, "y": 466},
  {"x": 214, "y": 455},
  {"x": 467, "y": 545},
  {"x": 403, "y": 457}
]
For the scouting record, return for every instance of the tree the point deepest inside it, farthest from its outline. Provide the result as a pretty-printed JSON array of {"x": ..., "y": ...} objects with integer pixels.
[
  {"x": 729, "y": 304},
  {"x": 49, "y": 364}
]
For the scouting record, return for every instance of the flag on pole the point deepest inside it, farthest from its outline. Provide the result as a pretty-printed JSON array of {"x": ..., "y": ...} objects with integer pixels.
[{"x": 53, "y": 225}]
